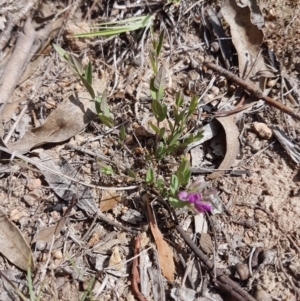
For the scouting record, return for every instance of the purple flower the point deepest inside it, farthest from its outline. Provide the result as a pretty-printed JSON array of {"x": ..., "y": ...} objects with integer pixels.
[
  {"x": 203, "y": 206},
  {"x": 194, "y": 197},
  {"x": 199, "y": 195}
]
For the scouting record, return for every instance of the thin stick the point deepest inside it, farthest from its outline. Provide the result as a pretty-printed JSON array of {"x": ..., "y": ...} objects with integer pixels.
[
  {"x": 251, "y": 89},
  {"x": 221, "y": 279}
]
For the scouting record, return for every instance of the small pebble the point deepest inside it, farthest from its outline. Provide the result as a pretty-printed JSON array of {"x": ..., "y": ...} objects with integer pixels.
[
  {"x": 208, "y": 98},
  {"x": 30, "y": 199},
  {"x": 262, "y": 295},
  {"x": 262, "y": 130},
  {"x": 33, "y": 184},
  {"x": 17, "y": 213},
  {"x": 243, "y": 271},
  {"x": 41, "y": 245},
  {"x": 256, "y": 146},
  {"x": 57, "y": 254},
  {"x": 215, "y": 90}
]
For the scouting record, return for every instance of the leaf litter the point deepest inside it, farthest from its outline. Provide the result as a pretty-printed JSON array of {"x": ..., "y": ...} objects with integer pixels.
[{"x": 269, "y": 196}]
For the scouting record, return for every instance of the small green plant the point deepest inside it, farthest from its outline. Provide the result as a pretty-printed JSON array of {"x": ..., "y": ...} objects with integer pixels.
[
  {"x": 197, "y": 196},
  {"x": 170, "y": 191},
  {"x": 85, "y": 75},
  {"x": 168, "y": 143}
]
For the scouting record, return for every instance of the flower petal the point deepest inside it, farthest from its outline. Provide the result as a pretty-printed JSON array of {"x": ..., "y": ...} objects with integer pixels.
[
  {"x": 183, "y": 195},
  {"x": 194, "y": 197},
  {"x": 203, "y": 206}
]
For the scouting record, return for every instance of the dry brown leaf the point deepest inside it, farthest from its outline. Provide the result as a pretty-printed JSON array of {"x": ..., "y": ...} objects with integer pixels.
[
  {"x": 246, "y": 37},
  {"x": 206, "y": 243},
  {"x": 46, "y": 234},
  {"x": 232, "y": 145},
  {"x": 13, "y": 245},
  {"x": 109, "y": 200},
  {"x": 69, "y": 118},
  {"x": 165, "y": 253},
  {"x": 115, "y": 261}
]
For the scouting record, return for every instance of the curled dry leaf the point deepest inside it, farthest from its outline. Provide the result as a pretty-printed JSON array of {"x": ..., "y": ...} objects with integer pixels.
[
  {"x": 13, "y": 245},
  {"x": 232, "y": 145}
]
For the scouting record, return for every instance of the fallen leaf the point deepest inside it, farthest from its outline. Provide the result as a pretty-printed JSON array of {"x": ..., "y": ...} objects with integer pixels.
[
  {"x": 109, "y": 200},
  {"x": 225, "y": 44},
  {"x": 232, "y": 145},
  {"x": 165, "y": 253},
  {"x": 246, "y": 37},
  {"x": 63, "y": 187},
  {"x": 115, "y": 260},
  {"x": 13, "y": 245},
  {"x": 206, "y": 243},
  {"x": 67, "y": 120}
]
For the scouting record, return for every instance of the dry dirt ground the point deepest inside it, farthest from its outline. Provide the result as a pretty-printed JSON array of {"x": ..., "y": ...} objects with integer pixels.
[{"x": 255, "y": 236}]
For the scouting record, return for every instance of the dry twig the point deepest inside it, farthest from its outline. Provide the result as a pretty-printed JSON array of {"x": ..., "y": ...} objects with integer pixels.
[
  {"x": 251, "y": 89},
  {"x": 221, "y": 279},
  {"x": 135, "y": 271}
]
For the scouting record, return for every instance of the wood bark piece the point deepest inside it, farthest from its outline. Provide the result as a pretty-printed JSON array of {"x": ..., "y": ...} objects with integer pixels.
[{"x": 232, "y": 145}]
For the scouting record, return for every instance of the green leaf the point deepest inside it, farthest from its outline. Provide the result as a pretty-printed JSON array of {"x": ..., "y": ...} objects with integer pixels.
[
  {"x": 172, "y": 149},
  {"x": 170, "y": 125},
  {"x": 179, "y": 99},
  {"x": 174, "y": 140},
  {"x": 122, "y": 132},
  {"x": 174, "y": 184},
  {"x": 154, "y": 128},
  {"x": 156, "y": 108},
  {"x": 161, "y": 133},
  {"x": 161, "y": 151},
  {"x": 175, "y": 202},
  {"x": 193, "y": 105},
  {"x": 199, "y": 135},
  {"x": 188, "y": 139},
  {"x": 105, "y": 168},
  {"x": 162, "y": 114},
  {"x": 160, "y": 42},
  {"x": 159, "y": 79},
  {"x": 153, "y": 62},
  {"x": 97, "y": 104},
  {"x": 150, "y": 176},
  {"x": 106, "y": 120},
  {"x": 62, "y": 53},
  {"x": 153, "y": 90},
  {"x": 180, "y": 117},
  {"x": 183, "y": 172},
  {"x": 160, "y": 93},
  {"x": 116, "y": 27},
  {"x": 104, "y": 105},
  {"x": 159, "y": 184},
  {"x": 88, "y": 73},
  {"x": 131, "y": 173},
  {"x": 76, "y": 65},
  {"x": 88, "y": 86}
]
